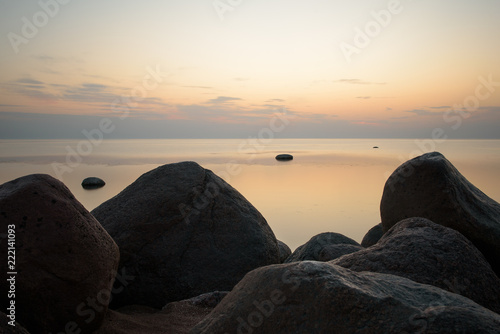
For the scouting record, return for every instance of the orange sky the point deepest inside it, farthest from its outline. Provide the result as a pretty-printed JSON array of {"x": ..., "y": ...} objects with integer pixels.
[{"x": 399, "y": 66}]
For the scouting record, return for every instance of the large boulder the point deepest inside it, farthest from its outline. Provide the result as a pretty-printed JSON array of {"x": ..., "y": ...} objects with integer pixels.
[
  {"x": 429, "y": 186},
  {"x": 311, "y": 250},
  {"x": 182, "y": 232},
  {"x": 372, "y": 236},
  {"x": 428, "y": 253},
  {"x": 65, "y": 261},
  {"x": 319, "y": 297}
]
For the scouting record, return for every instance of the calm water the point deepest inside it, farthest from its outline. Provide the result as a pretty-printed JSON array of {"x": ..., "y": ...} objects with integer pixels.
[{"x": 332, "y": 185}]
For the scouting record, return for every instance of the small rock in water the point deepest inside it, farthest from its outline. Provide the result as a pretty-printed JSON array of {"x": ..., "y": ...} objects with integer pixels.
[
  {"x": 284, "y": 157},
  {"x": 93, "y": 183},
  {"x": 375, "y": 146}
]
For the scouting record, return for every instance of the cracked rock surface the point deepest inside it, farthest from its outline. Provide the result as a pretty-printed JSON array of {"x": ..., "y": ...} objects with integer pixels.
[{"x": 182, "y": 232}]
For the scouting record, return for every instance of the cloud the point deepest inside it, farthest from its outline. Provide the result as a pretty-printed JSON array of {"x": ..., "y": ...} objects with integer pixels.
[
  {"x": 274, "y": 100},
  {"x": 423, "y": 112},
  {"x": 223, "y": 100},
  {"x": 241, "y": 79},
  {"x": 441, "y": 107},
  {"x": 364, "y": 97},
  {"x": 198, "y": 87},
  {"x": 29, "y": 81},
  {"x": 359, "y": 82}
]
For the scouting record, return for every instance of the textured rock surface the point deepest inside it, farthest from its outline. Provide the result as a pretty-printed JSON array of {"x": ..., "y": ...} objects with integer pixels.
[
  {"x": 182, "y": 232},
  {"x": 372, "y": 236},
  {"x": 312, "y": 249},
  {"x": 318, "y": 297},
  {"x": 429, "y": 186},
  {"x": 285, "y": 251},
  {"x": 332, "y": 252},
  {"x": 428, "y": 253},
  {"x": 63, "y": 256}
]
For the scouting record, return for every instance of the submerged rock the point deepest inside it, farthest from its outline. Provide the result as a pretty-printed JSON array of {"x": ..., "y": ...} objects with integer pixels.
[
  {"x": 313, "y": 248},
  {"x": 429, "y": 186},
  {"x": 319, "y": 297},
  {"x": 373, "y": 236},
  {"x": 93, "y": 183},
  {"x": 63, "y": 257},
  {"x": 428, "y": 253},
  {"x": 284, "y": 157},
  {"x": 182, "y": 232}
]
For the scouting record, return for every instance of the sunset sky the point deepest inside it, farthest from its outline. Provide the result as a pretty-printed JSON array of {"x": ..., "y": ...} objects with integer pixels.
[{"x": 205, "y": 68}]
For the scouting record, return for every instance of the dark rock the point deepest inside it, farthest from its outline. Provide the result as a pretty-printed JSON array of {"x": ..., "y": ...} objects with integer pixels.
[
  {"x": 375, "y": 146},
  {"x": 93, "y": 183},
  {"x": 63, "y": 257},
  {"x": 284, "y": 157},
  {"x": 331, "y": 252},
  {"x": 207, "y": 300},
  {"x": 373, "y": 236},
  {"x": 312, "y": 249},
  {"x": 182, "y": 232},
  {"x": 318, "y": 297},
  {"x": 285, "y": 251},
  {"x": 177, "y": 317},
  {"x": 429, "y": 186},
  {"x": 6, "y": 328},
  {"x": 428, "y": 253}
]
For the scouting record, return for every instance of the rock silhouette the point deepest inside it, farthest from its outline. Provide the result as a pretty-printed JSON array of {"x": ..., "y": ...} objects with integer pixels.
[
  {"x": 429, "y": 186},
  {"x": 182, "y": 232},
  {"x": 64, "y": 257}
]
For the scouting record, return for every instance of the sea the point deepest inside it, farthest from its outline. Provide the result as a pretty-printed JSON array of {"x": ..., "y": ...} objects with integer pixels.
[{"x": 331, "y": 185}]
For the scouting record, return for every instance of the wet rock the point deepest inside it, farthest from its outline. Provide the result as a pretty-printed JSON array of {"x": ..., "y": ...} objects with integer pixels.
[
  {"x": 93, "y": 183},
  {"x": 284, "y": 157}
]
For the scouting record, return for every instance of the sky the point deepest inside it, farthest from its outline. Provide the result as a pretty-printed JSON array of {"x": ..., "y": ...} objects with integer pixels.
[{"x": 239, "y": 68}]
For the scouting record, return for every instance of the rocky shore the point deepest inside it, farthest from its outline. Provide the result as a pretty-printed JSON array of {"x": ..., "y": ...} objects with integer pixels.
[{"x": 181, "y": 251}]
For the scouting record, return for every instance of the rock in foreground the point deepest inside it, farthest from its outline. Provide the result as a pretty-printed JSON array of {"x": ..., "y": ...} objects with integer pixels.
[
  {"x": 318, "y": 297},
  {"x": 312, "y": 249},
  {"x": 63, "y": 257},
  {"x": 182, "y": 232},
  {"x": 428, "y": 253},
  {"x": 429, "y": 186}
]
